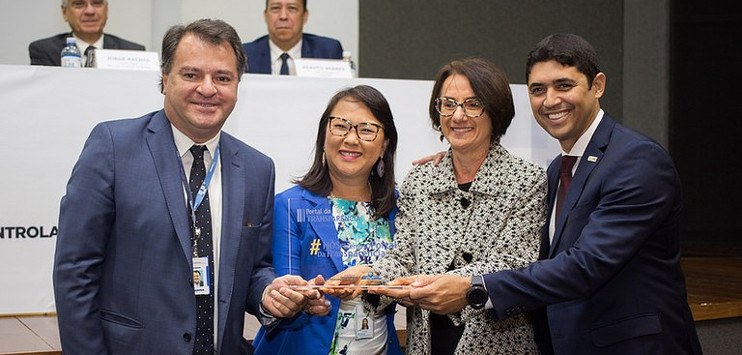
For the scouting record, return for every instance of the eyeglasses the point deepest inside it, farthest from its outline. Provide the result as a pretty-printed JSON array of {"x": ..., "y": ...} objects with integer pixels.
[
  {"x": 366, "y": 131},
  {"x": 79, "y": 4},
  {"x": 446, "y": 107}
]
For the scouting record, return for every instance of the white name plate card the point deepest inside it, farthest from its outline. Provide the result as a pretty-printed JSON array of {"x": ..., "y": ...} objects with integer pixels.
[
  {"x": 126, "y": 59},
  {"x": 322, "y": 68}
]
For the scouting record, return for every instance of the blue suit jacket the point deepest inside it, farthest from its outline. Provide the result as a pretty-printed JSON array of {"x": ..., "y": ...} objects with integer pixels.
[
  {"x": 300, "y": 218},
  {"x": 46, "y": 51},
  {"x": 611, "y": 281},
  {"x": 123, "y": 265},
  {"x": 259, "y": 54}
]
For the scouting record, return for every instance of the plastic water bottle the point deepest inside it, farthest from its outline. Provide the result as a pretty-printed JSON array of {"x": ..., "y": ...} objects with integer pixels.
[
  {"x": 348, "y": 58},
  {"x": 70, "y": 54}
]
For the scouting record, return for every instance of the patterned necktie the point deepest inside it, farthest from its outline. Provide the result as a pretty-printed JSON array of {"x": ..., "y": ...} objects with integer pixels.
[
  {"x": 89, "y": 55},
  {"x": 565, "y": 178},
  {"x": 284, "y": 64},
  {"x": 204, "y": 343}
]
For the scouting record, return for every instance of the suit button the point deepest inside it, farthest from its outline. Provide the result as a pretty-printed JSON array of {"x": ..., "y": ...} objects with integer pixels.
[{"x": 187, "y": 337}]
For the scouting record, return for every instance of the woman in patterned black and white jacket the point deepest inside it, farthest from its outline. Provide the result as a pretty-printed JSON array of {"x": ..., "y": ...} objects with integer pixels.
[{"x": 479, "y": 211}]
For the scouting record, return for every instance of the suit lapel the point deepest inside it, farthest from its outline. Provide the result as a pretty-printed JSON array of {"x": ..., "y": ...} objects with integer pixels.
[
  {"x": 60, "y": 42},
  {"x": 233, "y": 194},
  {"x": 590, "y": 159},
  {"x": 166, "y": 159},
  {"x": 324, "y": 228},
  {"x": 306, "y": 48},
  {"x": 263, "y": 60},
  {"x": 552, "y": 175},
  {"x": 109, "y": 43}
]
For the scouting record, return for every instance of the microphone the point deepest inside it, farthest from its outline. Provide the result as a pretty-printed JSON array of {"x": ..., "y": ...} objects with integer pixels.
[{"x": 465, "y": 202}]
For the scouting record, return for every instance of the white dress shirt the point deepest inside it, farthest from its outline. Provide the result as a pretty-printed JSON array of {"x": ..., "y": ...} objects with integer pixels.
[
  {"x": 294, "y": 52},
  {"x": 578, "y": 150},
  {"x": 82, "y": 46},
  {"x": 183, "y": 144}
]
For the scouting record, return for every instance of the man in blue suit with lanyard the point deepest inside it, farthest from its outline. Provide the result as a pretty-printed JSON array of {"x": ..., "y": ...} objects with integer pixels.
[
  {"x": 286, "y": 40},
  {"x": 608, "y": 278},
  {"x": 153, "y": 201}
]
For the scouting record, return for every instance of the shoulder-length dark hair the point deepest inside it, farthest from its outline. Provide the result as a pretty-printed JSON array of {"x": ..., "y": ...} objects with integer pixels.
[
  {"x": 317, "y": 179},
  {"x": 490, "y": 85}
]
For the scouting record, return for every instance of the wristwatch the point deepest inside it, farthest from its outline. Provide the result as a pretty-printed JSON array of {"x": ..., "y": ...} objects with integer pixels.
[{"x": 477, "y": 295}]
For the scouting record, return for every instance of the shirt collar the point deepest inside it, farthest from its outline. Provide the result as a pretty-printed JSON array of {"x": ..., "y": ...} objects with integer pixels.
[
  {"x": 183, "y": 143},
  {"x": 578, "y": 149},
  {"x": 445, "y": 179},
  {"x": 82, "y": 45},
  {"x": 294, "y": 52}
]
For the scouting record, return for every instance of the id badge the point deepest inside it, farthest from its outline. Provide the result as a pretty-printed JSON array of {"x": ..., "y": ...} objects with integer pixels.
[
  {"x": 364, "y": 323},
  {"x": 201, "y": 276},
  {"x": 347, "y": 326}
]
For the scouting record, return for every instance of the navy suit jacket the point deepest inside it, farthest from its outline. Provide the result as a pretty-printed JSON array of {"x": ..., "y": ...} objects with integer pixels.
[
  {"x": 46, "y": 51},
  {"x": 301, "y": 217},
  {"x": 610, "y": 281},
  {"x": 259, "y": 54},
  {"x": 123, "y": 264}
]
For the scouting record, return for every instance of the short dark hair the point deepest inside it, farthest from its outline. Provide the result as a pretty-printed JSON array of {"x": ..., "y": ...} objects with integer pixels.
[
  {"x": 304, "y": 3},
  {"x": 490, "y": 85},
  {"x": 317, "y": 179},
  {"x": 566, "y": 49},
  {"x": 212, "y": 31}
]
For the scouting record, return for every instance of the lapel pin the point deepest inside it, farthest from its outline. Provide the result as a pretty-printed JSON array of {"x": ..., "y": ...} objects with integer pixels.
[{"x": 592, "y": 159}]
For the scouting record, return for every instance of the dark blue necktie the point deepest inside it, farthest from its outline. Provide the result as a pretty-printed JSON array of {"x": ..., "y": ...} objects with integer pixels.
[
  {"x": 284, "y": 64},
  {"x": 204, "y": 343}
]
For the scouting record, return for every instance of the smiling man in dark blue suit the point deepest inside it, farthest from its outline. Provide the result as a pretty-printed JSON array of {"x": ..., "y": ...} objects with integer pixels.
[
  {"x": 608, "y": 280},
  {"x": 286, "y": 40},
  {"x": 134, "y": 226}
]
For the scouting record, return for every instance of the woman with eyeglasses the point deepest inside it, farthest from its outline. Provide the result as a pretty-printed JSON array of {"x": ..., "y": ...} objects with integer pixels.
[
  {"x": 340, "y": 214},
  {"x": 479, "y": 211}
]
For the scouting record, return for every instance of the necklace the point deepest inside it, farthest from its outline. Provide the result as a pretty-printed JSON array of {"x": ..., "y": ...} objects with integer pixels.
[{"x": 353, "y": 197}]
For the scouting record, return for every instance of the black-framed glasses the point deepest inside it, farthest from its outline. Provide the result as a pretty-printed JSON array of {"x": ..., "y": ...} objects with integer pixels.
[
  {"x": 366, "y": 131},
  {"x": 81, "y": 4},
  {"x": 446, "y": 107}
]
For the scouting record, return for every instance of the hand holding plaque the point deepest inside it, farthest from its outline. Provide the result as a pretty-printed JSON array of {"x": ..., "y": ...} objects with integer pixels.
[
  {"x": 345, "y": 284},
  {"x": 441, "y": 294}
]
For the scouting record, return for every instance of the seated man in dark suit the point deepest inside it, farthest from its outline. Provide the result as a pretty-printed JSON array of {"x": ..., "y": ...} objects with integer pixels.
[
  {"x": 273, "y": 53},
  {"x": 87, "y": 19}
]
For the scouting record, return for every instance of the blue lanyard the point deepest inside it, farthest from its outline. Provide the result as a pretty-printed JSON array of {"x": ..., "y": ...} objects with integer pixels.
[
  {"x": 204, "y": 185},
  {"x": 201, "y": 194}
]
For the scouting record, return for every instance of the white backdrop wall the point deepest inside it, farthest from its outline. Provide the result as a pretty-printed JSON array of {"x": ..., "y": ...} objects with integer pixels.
[
  {"x": 46, "y": 120},
  {"x": 145, "y": 21}
]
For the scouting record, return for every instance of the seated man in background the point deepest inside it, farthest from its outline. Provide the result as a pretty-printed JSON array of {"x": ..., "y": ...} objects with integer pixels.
[
  {"x": 86, "y": 19},
  {"x": 274, "y": 53}
]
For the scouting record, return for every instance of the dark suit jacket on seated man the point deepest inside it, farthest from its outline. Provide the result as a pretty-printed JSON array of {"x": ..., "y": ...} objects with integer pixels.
[
  {"x": 46, "y": 51},
  {"x": 609, "y": 279},
  {"x": 285, "y": 20},
  {"x": 132, "y": 229},
  {"x": 86, "y": 18}
]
